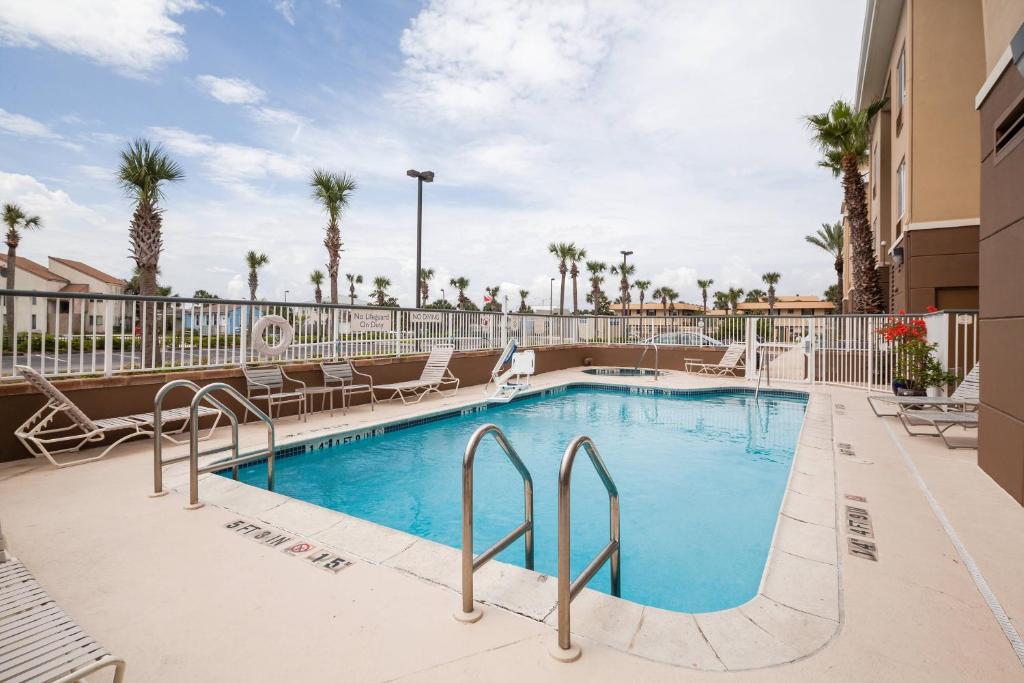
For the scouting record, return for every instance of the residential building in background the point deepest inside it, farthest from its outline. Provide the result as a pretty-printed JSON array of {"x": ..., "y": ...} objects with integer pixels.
[
  {"x": 1000, "y": 104},
  {"x": 928, "y": 58}
]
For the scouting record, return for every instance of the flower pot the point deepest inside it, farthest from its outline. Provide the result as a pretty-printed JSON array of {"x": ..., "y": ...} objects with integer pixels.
[{"x": 934, "y": 392}]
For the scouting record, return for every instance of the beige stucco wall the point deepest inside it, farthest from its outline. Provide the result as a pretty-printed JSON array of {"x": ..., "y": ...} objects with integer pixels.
[
  {"x": 1002, "y": 18},
  {"x": 24, "y": 307},
  {"x": 900, "y": 124}
]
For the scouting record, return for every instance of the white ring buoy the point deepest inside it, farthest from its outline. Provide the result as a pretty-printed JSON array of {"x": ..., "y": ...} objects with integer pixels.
[{"x": 285, "y": 335}]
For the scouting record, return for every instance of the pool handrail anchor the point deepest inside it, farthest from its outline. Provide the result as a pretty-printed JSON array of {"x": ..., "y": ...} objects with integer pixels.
[
  {"x": 237, "y": 458},
  {"x": 565, "y": 651},
  {"x": 158, "y": 428},
  {"x": 469, "y": 612}
]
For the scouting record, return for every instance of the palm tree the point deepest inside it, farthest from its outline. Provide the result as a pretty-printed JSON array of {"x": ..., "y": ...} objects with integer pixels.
[
  {"x": 380, "y": 292},
  {"x": 426, "y": 275},
  {"x": 642, "y": 286},
  {"x": 254, "y": 261},
  {"x": 142, "y": 173},
  {"x": 771, "y": 279},
  {"x": 595, "y": 268},
  {"x": 333, "y": 191},
  {"x": 733, "y": 297},
  {"x": 461, "y": 284},
  {"x": 578, "y": 254},
  {"x": 16, "y": 221},
  {"x": 671, "y": 295},
  {"x": 830, "y": 238},
  {"x": 562, "y": 251},
  {"x": 523, "y": 293},
  {"x": 754, "y": 295},
  {"x": 353, "y": 280},
  {"x": 843, "y": 136},
  {"x": 493, "y": 304},
  {"x": 316, "y": 278},
  {"x": 625, "y": 271},
  {"x": 704, "y": 284},
  {"x": 661, "y": 294},
  {"x": 721, "y": 301}
]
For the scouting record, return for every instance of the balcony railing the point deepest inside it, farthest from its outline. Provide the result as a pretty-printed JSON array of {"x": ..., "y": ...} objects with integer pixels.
[{"x": 72, "y": 334}]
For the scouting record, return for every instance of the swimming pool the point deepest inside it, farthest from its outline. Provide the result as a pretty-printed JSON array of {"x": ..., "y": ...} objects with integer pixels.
[{"x": 701, "y": 476}]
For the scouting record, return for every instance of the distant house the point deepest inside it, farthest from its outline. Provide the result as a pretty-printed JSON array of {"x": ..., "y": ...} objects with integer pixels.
[
  {"x": 51, "y": 314},
  {"x": 214, "y": 318}
]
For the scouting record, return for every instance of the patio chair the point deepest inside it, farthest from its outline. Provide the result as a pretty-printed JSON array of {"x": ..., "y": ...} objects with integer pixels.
[
  {"x": 964, "y": 397},
  {"x": 940, "y": 421},
  {"x": 270, "y": 383},
  {"x": 38, "y": 640},
  {"x": 343, "y": 376},
  {"x": 434, "y": 377},
  {"x": 729, "y": 363},
  {"x": 38, "y": 436}
]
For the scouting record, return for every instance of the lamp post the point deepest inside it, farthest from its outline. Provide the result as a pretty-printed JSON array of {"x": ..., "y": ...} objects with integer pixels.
[
  {"x": 286, "y": 295},
  {"x": 551, "y": 297},
  {"x": 421, "y": 177}
]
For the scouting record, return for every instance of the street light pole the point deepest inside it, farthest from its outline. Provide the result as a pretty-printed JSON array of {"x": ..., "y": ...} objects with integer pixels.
[{"x": 421, "y": 177}]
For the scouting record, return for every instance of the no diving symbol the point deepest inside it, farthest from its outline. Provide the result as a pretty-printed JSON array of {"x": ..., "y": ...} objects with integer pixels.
[{"x": 299, "y": 548}]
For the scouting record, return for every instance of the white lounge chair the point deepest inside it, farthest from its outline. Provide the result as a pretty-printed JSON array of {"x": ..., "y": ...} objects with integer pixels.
[
  {"x": 38, "y": 436},
  {"x": 728, "y": 364},
  {"x": 38, "y": 640},
  {"x": 434, "y": 377},
  {"x": 940, "y": 421},
  {"x": 964, "y": 397}
]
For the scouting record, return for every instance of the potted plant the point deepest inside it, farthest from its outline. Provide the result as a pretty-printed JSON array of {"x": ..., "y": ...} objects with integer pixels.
[
  {"x": 936, "y": 378},
  {"x": 912, "y": 354}
]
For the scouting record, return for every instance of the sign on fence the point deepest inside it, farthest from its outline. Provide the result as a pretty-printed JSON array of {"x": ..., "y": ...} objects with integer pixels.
[
  {"x": 370, "y": 321},
  {"x": 435, "y": 317}
]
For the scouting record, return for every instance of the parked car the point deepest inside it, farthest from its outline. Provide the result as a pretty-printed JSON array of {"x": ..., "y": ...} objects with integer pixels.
[{"x": 683, "y": 339}]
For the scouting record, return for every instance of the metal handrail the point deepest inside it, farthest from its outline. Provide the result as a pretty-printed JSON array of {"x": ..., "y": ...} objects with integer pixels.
[
  {"x": 567, "y": 590},
  {"x": 470, "y": 563},
  {"x": 649, "y": 345},
  {"x": 195, "y": 470},
  {"x": 158, "y": 428}
]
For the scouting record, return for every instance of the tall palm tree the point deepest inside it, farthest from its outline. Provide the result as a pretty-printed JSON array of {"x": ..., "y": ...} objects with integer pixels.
[
  {"x": 829, "y": 237},
  {"x": 624, "y": 271},
  {"x": 523, "y": 293},
  {"x": 562, "y": 251},
  {"x": 353, "y": 280},
  {"x": 671, "y": 295},
  {"x": 16, "y": 221},
  {"x": 642, "y": 286},
  {"x": 143, "y": 171},
  {"x": 721, "y": 300},
  {"x": 595, "y": 268},
  {"x": 754, "y": 295},
  {"x": 843, "y": 136},
  {"x": 493, "y": 304},
  {"x": 733, "y": 297},
  {"x": 771, "y": 279},
  {"x": 316, "y": 278},
  {"x": 333, "y": 191},
  {"x": 380, "y": 292},
  {"x": 661, "y": 294},
  {"x": 254, "y": 261},
  {"x": 704, "y": 285},
  {"x": 578, "y": 254},
  {"x": 426, "y": 275},
  {"x": 461, "y": 284}
]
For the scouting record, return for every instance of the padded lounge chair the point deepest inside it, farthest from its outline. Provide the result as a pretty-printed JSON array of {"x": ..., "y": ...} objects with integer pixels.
[
  {"x": 269, "y": 383},
  {"x": 38, "y": 640},
  {"x": 729, "y": 363},
  {"x": 38, "y": 437},
  {"x": 963, "y": 398},
  {"x": 435, "y": 376},
  {"x": 940, "y": 421},
  {"x": 344, "y": 376}
]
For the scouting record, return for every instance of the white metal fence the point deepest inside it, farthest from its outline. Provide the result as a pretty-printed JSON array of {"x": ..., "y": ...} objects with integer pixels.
[{"x": 92, "y": 334}]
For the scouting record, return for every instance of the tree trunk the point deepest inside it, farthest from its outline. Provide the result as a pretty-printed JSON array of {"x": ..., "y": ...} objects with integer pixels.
[
  {"x": 575, "y": 297},
  {"x": 561, "y": 292},
  {"x": 838, "y": 303},
  {"x": 333, "y": 243},
  {"x": 12, "y": 248},
  {"x": 253, "y": 284},
  {"x": 867, "y": 291}
]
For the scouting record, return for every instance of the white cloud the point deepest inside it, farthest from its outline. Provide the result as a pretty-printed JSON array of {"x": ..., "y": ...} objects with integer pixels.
[
  {"x": 19, "y": 124},
  {"x": 132, "y": 37},
  {"x": 231, "y": 90},
  {"x": 287, "y": 10}
]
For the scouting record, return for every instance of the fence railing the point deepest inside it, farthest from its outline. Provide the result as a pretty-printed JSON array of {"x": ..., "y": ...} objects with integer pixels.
[{"x": 76, "y": 334}]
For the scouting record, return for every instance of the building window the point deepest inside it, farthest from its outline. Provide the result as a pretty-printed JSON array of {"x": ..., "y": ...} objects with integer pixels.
[
  {"x": 901, "y": 189},
  {"x": 34, "y": 326},
  {"x": 901, "y": 76},
  {"x": 99, "y": 320},
  {"x": 34, "y": 301}
]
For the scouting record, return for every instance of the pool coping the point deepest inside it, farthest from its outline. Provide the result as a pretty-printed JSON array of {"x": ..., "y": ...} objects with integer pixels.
[{"x": 796, "y": 611}]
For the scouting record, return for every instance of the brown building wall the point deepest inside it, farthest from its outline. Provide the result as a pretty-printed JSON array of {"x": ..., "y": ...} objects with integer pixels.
[
  {"x": 117, "y": 396},
  {"x": 1001, "y": 437},
  {"x": 940, "y": 269}
]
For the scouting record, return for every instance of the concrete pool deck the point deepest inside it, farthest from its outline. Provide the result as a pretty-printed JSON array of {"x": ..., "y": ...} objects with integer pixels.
[{"x": 183, "y": 598}]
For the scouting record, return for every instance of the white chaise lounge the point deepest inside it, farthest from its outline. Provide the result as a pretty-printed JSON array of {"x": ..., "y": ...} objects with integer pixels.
[
  {"x": 39, "y": 437},
  {"x": 435, "y": 376},
  {"x": 729, "y": 363},
  {"x": 964, "y": 397}
]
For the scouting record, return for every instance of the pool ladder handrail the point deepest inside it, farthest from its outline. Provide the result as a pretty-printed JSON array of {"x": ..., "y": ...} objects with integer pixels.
[
  {"x": 238, "y": 459},
  {"x": 470, "y": 564},
  {"x": 647, "y": 346},
  {"x": 569, "y": 589}
]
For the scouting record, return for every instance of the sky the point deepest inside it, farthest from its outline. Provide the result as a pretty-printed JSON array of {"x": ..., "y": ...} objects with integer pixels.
[{"x": 673, "y": 129}]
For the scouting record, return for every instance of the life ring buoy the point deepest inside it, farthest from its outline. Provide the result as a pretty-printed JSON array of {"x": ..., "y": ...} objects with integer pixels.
[{"x": 285, "y": 336}]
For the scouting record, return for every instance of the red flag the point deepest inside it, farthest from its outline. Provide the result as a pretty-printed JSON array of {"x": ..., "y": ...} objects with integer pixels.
[{"x": 487, "y": 299}]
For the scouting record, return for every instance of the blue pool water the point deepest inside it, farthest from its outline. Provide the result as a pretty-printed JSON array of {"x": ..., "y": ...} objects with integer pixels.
[{"x": 700, "y": 478}]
